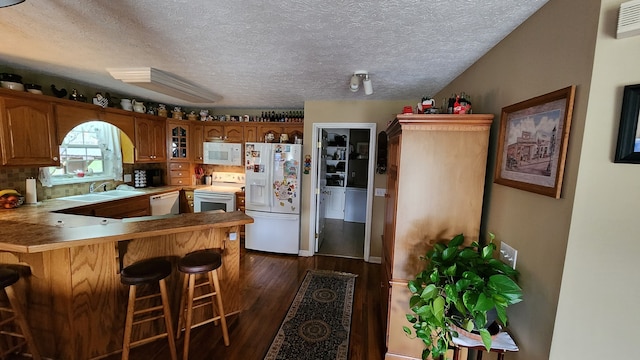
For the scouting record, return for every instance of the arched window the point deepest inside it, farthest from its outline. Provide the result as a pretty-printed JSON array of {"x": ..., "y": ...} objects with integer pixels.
[{"x": 89, "y": 152}]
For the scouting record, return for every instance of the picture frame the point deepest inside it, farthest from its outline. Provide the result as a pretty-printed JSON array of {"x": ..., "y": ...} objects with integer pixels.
[
  {"x": 628, "y": 146},
  {"x": 362, "y": 148},
  {"x": 533, "y": 140}
]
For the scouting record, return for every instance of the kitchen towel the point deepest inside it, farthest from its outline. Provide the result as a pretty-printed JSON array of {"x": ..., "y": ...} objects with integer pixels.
[{"x": 31, "y": 195}]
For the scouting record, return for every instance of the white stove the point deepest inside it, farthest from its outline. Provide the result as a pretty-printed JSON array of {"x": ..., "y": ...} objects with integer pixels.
[{"x": 221, "y": 194}]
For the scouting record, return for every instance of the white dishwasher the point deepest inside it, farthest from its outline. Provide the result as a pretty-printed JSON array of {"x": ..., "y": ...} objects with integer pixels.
[{"x": 165, "y": 204}]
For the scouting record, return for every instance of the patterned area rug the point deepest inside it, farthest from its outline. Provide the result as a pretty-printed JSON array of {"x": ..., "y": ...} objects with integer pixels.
[{"x": 318, "y": 322}]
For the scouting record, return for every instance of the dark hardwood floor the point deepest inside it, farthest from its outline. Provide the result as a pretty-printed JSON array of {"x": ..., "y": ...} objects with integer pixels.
[{"x": 269, "y": 284}]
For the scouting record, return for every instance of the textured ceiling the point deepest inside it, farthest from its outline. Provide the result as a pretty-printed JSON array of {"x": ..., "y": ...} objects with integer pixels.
[{"x": 261, "y": 54}]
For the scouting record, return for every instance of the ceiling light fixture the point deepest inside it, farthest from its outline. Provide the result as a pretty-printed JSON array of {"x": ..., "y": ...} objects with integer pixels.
[
  {"x": 164, "y": 83},
  {"x": 354, "y": 84},
  {"x": 5, "y": 3}
]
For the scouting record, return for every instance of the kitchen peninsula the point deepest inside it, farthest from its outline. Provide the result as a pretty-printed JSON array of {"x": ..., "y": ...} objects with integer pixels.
[{"x": 75, "y": 302}]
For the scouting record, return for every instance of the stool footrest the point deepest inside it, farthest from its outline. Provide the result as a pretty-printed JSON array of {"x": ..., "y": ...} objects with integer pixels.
[
  {"x": 7, "y": 320},
  {"x": 148, "y": 319},
  {"x": 148, "y": 340},
  {"x": 13, "y": 349}
]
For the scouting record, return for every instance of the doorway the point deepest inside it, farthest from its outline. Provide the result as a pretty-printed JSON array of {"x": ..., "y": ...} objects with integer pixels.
[{"x": 343, "y": 169}]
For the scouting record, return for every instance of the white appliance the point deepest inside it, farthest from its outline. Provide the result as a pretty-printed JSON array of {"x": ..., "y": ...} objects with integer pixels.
[
  {"x": 221, "y": 194},
  {"x": 222, "y": 153},
  {"x": 165, "y": 204},
  {"x": 272, "y": 197}
]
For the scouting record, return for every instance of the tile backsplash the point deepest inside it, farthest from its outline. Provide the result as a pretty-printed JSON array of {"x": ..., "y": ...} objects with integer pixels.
[{"x": 15, "y": 178}]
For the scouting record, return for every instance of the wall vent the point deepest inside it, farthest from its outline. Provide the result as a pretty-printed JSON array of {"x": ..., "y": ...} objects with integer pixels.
[{"x": 629, "y": 19}]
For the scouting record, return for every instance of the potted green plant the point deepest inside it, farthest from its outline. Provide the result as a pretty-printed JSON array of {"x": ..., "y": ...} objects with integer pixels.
[{"x": 459, "y": 287}]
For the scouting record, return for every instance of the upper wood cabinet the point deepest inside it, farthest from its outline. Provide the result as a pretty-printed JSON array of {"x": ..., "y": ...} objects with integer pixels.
[
  {"x": 178, "y": 140},
  {"x": 68, "y": 117},
  {"x": 293, "y": 130},
  {"x": 231, "y": 132},
  {"x": 150, "y": 140},
  {"x": 234, "y": 133},
  {"x": 28, "y": 132},
  {"x": 197, "y": 138},
  {"x": 250, "y": 133}
]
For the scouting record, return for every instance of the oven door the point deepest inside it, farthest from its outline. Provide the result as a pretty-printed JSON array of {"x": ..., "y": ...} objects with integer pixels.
[{"x": 207, "y": 201}]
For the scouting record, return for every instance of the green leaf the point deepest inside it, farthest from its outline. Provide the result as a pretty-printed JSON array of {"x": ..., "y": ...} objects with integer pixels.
[
  {"x": 449, "y": 253},
  {"x": 438, "y": 309},
  {"x": 413, "y": 286},
  {"x": 487, "y": 251},
  {"x": 434, "y": 276},
  {"x": 451, "y": 270},
  {"x": 414, "y": 300},
  {"x": 412, "y": 319},
  {"x": 468, "y": 325},
  {"x": 506, "y": 287},
  {"x": 502, "y": 314},
  {"x": 424, "y": 311},
  {"x": 484, "y": 303},
  {"x": 468, "y": 253},
  {"x": 429, "y": 292},
  {"x": 438, "y": 248},
  {"x": 451, "y": 293},
  {"x": 456, "y": 241},
  {"x": 406, "y": 330},
  {"x": 462, "y": 284},
  {"x": 486, "y": 338},
  {"x": 469, "y": 298}
]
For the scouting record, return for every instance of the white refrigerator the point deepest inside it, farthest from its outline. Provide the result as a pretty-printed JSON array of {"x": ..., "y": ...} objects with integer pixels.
[{"x": 272, "y": 197}]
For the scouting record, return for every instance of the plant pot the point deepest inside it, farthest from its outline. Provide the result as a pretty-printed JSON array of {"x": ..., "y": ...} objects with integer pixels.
[{"x": 494, "y": 329}]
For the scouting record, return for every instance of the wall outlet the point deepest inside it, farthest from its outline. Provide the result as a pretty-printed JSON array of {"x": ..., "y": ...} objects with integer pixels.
[
  {"x": 127, "y": 178},
  {"x": 381, "y": 191},
  {"x": 508, "y": 255}
]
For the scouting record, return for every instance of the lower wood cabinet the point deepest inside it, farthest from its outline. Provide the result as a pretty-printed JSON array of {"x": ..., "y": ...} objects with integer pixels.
[
  {"x": 186, "y": 201},
  {"x": 116, "y": 209}
]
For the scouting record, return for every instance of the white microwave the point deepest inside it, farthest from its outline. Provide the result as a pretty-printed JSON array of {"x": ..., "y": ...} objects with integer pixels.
[{"x": 221, "y": 153}]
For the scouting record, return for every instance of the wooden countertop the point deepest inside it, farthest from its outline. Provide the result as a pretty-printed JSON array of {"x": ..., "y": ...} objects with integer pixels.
[{"x": 34, "y": 228}]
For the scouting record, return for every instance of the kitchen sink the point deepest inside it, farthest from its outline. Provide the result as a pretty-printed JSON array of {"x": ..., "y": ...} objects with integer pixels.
[
  {"x": 119, "y": 193},
  {"x": 102, "y": 196}
]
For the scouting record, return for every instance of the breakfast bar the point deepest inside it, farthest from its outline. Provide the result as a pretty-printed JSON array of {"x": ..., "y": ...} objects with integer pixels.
[{"x": 75, "y": 302}]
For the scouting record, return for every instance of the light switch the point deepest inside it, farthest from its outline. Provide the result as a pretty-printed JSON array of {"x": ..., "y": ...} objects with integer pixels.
[
  {"x": 233, "y": 236},
  {"x": 381, "y": 191},
  {"x": 508, "y": 255}
]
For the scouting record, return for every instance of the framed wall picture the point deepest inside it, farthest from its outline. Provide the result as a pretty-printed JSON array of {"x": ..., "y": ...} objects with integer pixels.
[
  {"x": 628, "y": 148},
  {"x": 532, "y": 144}
]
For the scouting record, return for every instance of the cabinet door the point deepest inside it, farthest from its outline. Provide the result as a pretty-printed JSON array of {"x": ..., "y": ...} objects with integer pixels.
[
  {"x": 334, "y": 208},
  {"x": 178, "y": 141},
  {"x": 265, "y": 129},
  {"x": 28, "y": 133},
  {"x": 234, "y": 133},
  {"x": 213, "y": 131},
  {"x": 250, "y": 133},
  {"x": 159, "y": 141},
  {"x": 197, "y": 138},
  {"x": 150, "y": 141}
]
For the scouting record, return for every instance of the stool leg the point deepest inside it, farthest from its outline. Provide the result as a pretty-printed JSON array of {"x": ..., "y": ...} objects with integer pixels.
[
  {"x": 183, "y": 296},
  {"x": 167, "y": 319},
  {"x": 213, "y": 277},
  {"x": 187, "y": 325},
  {"x": 22, "y": 322},
  {"x": 128, "y": 324}
]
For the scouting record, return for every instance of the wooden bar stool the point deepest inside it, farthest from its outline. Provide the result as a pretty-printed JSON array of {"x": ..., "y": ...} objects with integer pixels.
[
  {"x": 147, "y": 272},
  {"x": 196, "y": 263},
  {"x": 8, "y": 277}
]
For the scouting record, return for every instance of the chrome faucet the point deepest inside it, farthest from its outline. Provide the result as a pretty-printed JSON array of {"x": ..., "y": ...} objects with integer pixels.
[{"x": 92, "y": 187}]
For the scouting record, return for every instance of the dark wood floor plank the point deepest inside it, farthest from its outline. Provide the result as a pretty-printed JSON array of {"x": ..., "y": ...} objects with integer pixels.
[{"x": 269, "y": 284}]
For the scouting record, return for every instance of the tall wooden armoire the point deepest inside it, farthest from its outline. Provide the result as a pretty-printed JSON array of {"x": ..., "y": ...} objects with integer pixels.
[{"x": 435, "y": 186}]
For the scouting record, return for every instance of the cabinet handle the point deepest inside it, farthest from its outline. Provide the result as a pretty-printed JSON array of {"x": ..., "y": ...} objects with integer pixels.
[{"x": 55, "y": 158}]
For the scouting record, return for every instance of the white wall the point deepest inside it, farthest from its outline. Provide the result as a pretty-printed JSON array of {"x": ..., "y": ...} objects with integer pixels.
[{"x": 598, "y": 313}]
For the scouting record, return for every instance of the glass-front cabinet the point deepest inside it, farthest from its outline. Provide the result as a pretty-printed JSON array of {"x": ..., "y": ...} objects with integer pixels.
[{"x": 178, "y": 136}]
